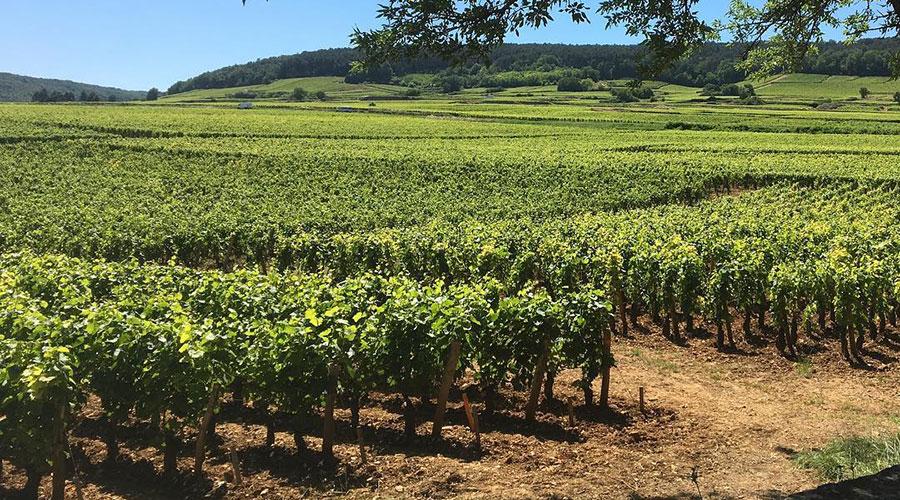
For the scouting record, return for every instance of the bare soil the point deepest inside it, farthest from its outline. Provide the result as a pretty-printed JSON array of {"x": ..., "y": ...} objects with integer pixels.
[{"x": 730, "y": 420}]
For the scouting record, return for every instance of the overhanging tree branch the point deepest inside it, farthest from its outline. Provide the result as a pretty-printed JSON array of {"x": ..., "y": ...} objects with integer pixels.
[{"x": 779, "y": 35}]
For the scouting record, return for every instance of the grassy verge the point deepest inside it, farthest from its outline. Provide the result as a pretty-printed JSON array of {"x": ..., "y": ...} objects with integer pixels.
[{"x": 852, "y": 457}]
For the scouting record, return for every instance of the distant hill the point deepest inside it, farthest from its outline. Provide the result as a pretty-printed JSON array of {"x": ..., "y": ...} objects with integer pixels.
[
  {"x": 21, "y": 88},
  {"x": 714, "y": 63}
]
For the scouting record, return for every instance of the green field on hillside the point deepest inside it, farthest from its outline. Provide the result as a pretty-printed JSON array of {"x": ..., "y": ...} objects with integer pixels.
[
  {"x": 796, "y": 88},
  {"x": 334, "y": 86},
  {"x": 810, "y": 86}
]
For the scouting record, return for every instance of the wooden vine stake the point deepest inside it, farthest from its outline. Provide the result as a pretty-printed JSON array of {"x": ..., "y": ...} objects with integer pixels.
[
  {"x": 468, "y": 408},
  {"x": 171, "y": 445},
  {"x": 444, "y": 393},
  {"x": 203, "y": 431},
  {"x": 641, "y": 398},
  {"x": 328, "y": 417},
  {"x": 362, "y": 446},
  {"x": 476, "y": 429},
  {"x": 76, "y": 479},
  {"x": 536, "y": 381},
  {"x": 235, "y": 467},
  {"x": 59, "y": 454},
  {"x": 605, "y": 372},
  {"x": 472, "y": 417},
  {"x": 620, "y": 303}
]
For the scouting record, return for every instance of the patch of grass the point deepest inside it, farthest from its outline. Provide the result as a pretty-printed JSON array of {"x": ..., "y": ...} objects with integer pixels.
[
  {"x": 852, "y": 457},
  {"x": 816, "y": 400},
  {"x": 805, "y": 367},
  {"x": 720, "y": 374},
  {"x": 849, "y": 409},
  {"x": 664, "y": 366},
  {"x": 661, "y": 365}
]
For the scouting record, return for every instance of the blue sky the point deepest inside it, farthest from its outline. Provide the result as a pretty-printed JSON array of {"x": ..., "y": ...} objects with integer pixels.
[{"x": 139, "y": 44}]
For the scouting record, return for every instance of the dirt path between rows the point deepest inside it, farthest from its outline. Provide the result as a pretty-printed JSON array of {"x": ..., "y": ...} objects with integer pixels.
[
  {"x": 742, "y": 417},
  {"x": 736, "y": 418}
]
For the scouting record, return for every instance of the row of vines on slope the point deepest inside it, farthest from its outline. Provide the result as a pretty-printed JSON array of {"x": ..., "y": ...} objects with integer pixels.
[
  {"x": 411, "y": 118},
  {"x": 155, "y": 200},
  {"x": 827, "y": 258}
]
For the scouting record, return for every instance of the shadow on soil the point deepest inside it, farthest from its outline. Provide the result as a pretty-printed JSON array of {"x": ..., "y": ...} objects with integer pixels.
[
  {"x": 885, "y": 484},
  {"x": 133, "y": 474},
  {"x": 682, "y": 496}
]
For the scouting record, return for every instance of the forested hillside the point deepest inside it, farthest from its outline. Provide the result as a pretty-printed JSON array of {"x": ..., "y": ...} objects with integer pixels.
[
  {"x": 712, "y": 64},
  {"x": 22, "y": 88}
]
